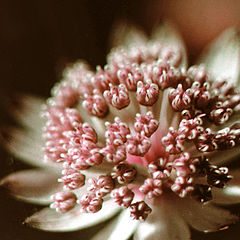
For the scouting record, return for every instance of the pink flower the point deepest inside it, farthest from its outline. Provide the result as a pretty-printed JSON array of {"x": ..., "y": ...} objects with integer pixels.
[{"x": 145, "y": 135}]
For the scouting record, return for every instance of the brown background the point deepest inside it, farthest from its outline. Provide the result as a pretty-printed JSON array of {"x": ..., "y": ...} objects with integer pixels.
[{"x": 37, "y": 39}]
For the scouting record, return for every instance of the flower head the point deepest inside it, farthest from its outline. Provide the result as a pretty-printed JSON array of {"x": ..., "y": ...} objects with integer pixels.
[{"x": 143, "y": 133}]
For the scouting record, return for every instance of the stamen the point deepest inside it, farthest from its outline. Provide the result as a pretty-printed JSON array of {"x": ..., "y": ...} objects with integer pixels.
[
  {"x": 139, "y": 211},
  {"x": 95, "y": 104},
  {"x": 123, "y": 196},
  {"x": 63, "y": 201},
  {"x": 138, "y": 144},
  {"x": 160, "y": 168},
  {"x": 217, "y": 177},
  {"x": 117, "y": 132},
  {"x": 184, "y": 165},
  {"x": 101, "y": 186},
  {"x": 124, "y": 173},
  {"x": 152, "y": 188},
  {"x": 90, "y": 203},
  {"x": 172, "y": 143},
  {"x": 115, "y": 154},
  {"x": 130, "y": 75},
  {"x": 146, "y": 123},
  {"x": 103, "y": 78},
  {"x": 202, "y": 193},
  {"x": 72, "y": 179},
  {"x": 147, "y": 94},
  {"x": 182, "y": 186},
  {"x": 180, "y": 99},
  {"x": 117, "y": 96}
]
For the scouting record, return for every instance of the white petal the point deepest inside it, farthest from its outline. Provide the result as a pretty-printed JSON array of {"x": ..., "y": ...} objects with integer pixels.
[
  {"x": 168, "y": 35},
  {"x": 231, "y": 193},
  {"x": 24, "y": 145},
  {"x": 28, "y": 110},
  {"x": 120, "y": 229},
  {"x": 222, "y": 57},
  {"x": 34, "y": 186},
  {"x": 50, "y": 220},
  {"x": 204, "y": 217},
  {"x": 163, "y": 223},
  {"x": 167, "y": 115},
  {"x": 124, "y": 34}
]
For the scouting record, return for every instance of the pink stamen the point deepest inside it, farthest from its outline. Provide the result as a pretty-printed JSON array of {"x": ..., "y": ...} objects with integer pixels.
[
  {"x": 101, "y": 186},
  {"x": 147, "y": 94},
  {"x": 152, "y": 188},
  {"x": 95, "y": 104},
  {"x": 146, "y": 123},
  {"x": 138, "y": 144},
  {"x": 72, "y": 179},
  {"x": 117, "y": 96},
  {"x": 123, "y": 196},
  {"x": 90, "y": 203},
  {"x": 63, "y": 201},
  {"x": 123, "y": 173},
  {"x": 139, "y": 211}
]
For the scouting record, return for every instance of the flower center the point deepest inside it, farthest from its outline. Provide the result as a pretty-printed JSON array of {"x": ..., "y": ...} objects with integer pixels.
[{"x": 144, "y": 124}]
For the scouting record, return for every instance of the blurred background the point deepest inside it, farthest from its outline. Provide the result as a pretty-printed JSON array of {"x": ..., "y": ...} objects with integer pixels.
[{"x": 38, "y": 39}]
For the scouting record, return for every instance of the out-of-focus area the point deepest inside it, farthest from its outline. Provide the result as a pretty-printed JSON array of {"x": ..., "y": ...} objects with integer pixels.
[{"x": 39, "y": 38}]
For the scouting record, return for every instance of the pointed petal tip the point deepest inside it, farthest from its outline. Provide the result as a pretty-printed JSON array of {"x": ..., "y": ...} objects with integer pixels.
[
  {"x": 32, "y": 222},
  {"x": 222, "y": 56},
  {"x": 49, "y": 220},
  {"x": 124, "y": 33},
  {"x": 35, "y": 186},
  {"x": 7, "y": 184}
]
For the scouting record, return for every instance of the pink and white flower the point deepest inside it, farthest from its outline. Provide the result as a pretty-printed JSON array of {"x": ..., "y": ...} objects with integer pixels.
[{"x": 145, "y": 135}]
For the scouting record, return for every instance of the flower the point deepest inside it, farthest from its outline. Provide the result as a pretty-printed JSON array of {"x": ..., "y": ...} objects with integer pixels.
[{"x": 145, "y": 135}]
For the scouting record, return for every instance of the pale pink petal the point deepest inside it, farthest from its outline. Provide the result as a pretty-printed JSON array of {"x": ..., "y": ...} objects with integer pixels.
[
  {"x": 231, "y": 193},
  {"x": 124, "y": 33},
  {"x": 22, "y": 144},
  {"x": 34, "y": 186},
  {"x": 120, "y": 229},
  {"x": 50, "y": 220},
  {"x": 163, "y": 223},
  {"x": 167, "y": 115},
  {"x": 27, "y": 111},
  {"x": 222, "y": 57},
  {"x": 204, "y": 217},
  {"x": 168, "y": 35}
]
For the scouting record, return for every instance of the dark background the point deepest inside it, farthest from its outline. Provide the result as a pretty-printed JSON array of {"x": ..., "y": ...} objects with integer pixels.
[{"x": 37, "y": 40}]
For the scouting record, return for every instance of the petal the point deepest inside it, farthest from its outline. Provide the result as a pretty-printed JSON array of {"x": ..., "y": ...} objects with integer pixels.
[
  {"x": 50, "y": 220},
  {"x": 204, "y": 217},
  {"x": 167, "y": 115},
  {"x": 27, "y": 111},
  {"x": 168, "y": 35},
  {"x": 163, "y": 223},
  {"x": 125, "y": 33},
  {"x": 222, "y": 57},
  {"x": 231, "y": 193},
  {"x": 34, "y": 186},
  {"x": 229, "y": 156},
  {"x": 120, "y": 229},
  {"x": 24, "y": 145}
]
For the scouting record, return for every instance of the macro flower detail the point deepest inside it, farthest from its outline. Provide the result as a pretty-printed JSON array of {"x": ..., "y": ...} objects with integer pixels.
[
  {"x": 143, "y": 134},
  {"x": 63, "y": 201}
]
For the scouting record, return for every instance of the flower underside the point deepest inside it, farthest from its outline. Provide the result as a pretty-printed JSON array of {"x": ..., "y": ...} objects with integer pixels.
[{"x": 149, "y": 124}]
